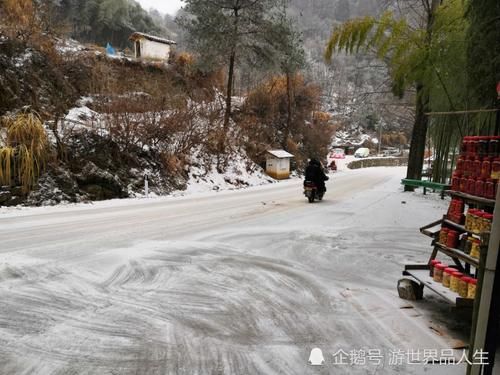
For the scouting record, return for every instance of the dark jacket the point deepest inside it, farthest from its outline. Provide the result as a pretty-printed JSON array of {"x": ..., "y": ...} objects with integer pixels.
[{"x": 315, "y": 173}]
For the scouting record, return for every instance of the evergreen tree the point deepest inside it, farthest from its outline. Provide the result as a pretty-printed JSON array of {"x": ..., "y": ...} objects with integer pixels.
[
  {"x": 290, "y": 58},
  {"x": 102, "y": 21},
  {"x": 225, "y": 32}
]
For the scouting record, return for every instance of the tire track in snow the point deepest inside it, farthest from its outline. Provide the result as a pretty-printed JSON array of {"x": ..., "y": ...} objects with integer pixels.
[{"x": 208, "y": 296}]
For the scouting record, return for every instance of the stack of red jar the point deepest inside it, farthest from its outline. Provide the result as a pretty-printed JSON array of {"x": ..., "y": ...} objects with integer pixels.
[
  {"x": 455, "y": 211},
  {"x": 478, "y": 167}
]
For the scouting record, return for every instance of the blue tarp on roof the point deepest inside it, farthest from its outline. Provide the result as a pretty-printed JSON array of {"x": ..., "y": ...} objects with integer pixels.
[{"x": 110, "y": 50}]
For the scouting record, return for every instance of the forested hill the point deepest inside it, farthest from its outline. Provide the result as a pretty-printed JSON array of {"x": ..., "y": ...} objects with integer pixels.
[
  {"x": 354, "y": 87},
  {"x": 316, "y": 18},
  {"x": 103, "y": 21}
]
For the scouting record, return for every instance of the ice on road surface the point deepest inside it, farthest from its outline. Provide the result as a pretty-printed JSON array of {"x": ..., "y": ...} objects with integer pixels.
[{"x": 241, "y": 282}]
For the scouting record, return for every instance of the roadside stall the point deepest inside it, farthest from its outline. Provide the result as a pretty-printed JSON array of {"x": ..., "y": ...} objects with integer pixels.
[{"x": 467, "y": 237}]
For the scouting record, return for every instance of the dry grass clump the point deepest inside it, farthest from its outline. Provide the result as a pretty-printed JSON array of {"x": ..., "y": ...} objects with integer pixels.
[{"x": 25, "y": 152}]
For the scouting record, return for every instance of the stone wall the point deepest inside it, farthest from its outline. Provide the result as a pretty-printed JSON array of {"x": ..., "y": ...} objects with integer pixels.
[{"x": 378, "y": 162}]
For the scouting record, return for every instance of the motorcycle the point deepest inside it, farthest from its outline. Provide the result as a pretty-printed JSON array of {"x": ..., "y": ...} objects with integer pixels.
[{"x": 311, "y": 191}]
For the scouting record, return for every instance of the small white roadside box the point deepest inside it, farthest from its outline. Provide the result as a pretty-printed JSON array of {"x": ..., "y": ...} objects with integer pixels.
[{"x": 278, "y": 164}]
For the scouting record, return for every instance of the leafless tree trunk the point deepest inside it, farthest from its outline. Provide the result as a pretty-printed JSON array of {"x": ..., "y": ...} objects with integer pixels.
[{"x": 289, "y": 110}]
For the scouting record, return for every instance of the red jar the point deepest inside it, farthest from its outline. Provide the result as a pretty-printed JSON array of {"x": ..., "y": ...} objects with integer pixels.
[
  {"x": 464, "y": 146},
  {"x": 443, "y": 236},
  {"x": 473, "y": 145},
  {"x": 480, "y": 188},
  {"x": 432, "y": 264},
  {"x": 455, "y": 211},
  {"x": 464, "y": 286},
  {"x": 486, "y": 168},
  {"x": 471, "y": 186},
  {"x": 476, "y": 168},
  {"x": 482, "y": 146},
  {"x": 463, "y": 184},
  {"x": 458, "y": 218},
  {"x": 451, "y": 207},
  {"x": 447, "y": 276},
  {"x": 455, "y": 182},
  {"x": 468, "y": 149},
  {"x": 494, "y": 147},
  {"x": 460, "y": 165},
  {"x": 438, "y": 272},
  {"x": 495, "y": 169},
  {"x": 489, "y": 189},
  {"x": 468, "y": 165},
  {"x": 452, "y": 240},
  {"x": 455, "y": 279},
  {"x": 488, "y": 216}
]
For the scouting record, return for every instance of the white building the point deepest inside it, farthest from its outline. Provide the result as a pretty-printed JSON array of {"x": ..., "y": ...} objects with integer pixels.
[
  {"x": 278, "y": 164},
  {"x": 149, "y": 46}
]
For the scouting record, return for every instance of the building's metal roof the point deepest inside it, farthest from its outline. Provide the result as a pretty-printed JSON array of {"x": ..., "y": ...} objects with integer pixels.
[
  {"x": 137, "y": 35},
  {"x": 280, "y": 154}
]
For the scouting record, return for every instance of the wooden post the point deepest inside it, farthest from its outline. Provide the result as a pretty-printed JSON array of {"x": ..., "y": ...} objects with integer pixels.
[
  {"x": 486, "y": 308},
  {"x": 493, "y": 325}
]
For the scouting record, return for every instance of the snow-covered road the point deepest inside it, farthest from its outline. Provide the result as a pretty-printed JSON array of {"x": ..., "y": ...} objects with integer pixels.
[{"x": 241, "y": 282}]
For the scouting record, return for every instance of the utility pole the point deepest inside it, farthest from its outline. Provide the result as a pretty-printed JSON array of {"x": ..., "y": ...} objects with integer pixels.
[{"x": 379, "y": 137}]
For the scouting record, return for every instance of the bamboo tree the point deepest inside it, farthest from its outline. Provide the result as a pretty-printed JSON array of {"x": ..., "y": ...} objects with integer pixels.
[
  {"x": 483, "y": 51},
  {"x": 407, "y": 51},
  {"x": 439, "y": 61}
]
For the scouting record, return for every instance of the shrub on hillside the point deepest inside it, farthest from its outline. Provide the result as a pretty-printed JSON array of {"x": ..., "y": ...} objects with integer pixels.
[
  {"x": 24, "y": 151},
  {"x": 281, "y": 114}
]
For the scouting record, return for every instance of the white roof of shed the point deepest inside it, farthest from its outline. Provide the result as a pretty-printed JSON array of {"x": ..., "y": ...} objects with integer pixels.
[
  {"x": 138, "y": 35},
  {"x": 280, "y": 154}
]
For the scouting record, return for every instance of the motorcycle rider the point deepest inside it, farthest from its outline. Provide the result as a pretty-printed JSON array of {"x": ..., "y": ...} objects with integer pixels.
[{"x": 315, "y": 173}]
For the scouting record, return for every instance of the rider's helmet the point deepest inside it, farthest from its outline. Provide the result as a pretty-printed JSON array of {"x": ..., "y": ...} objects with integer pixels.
[{"x": 314, "y": 161}]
